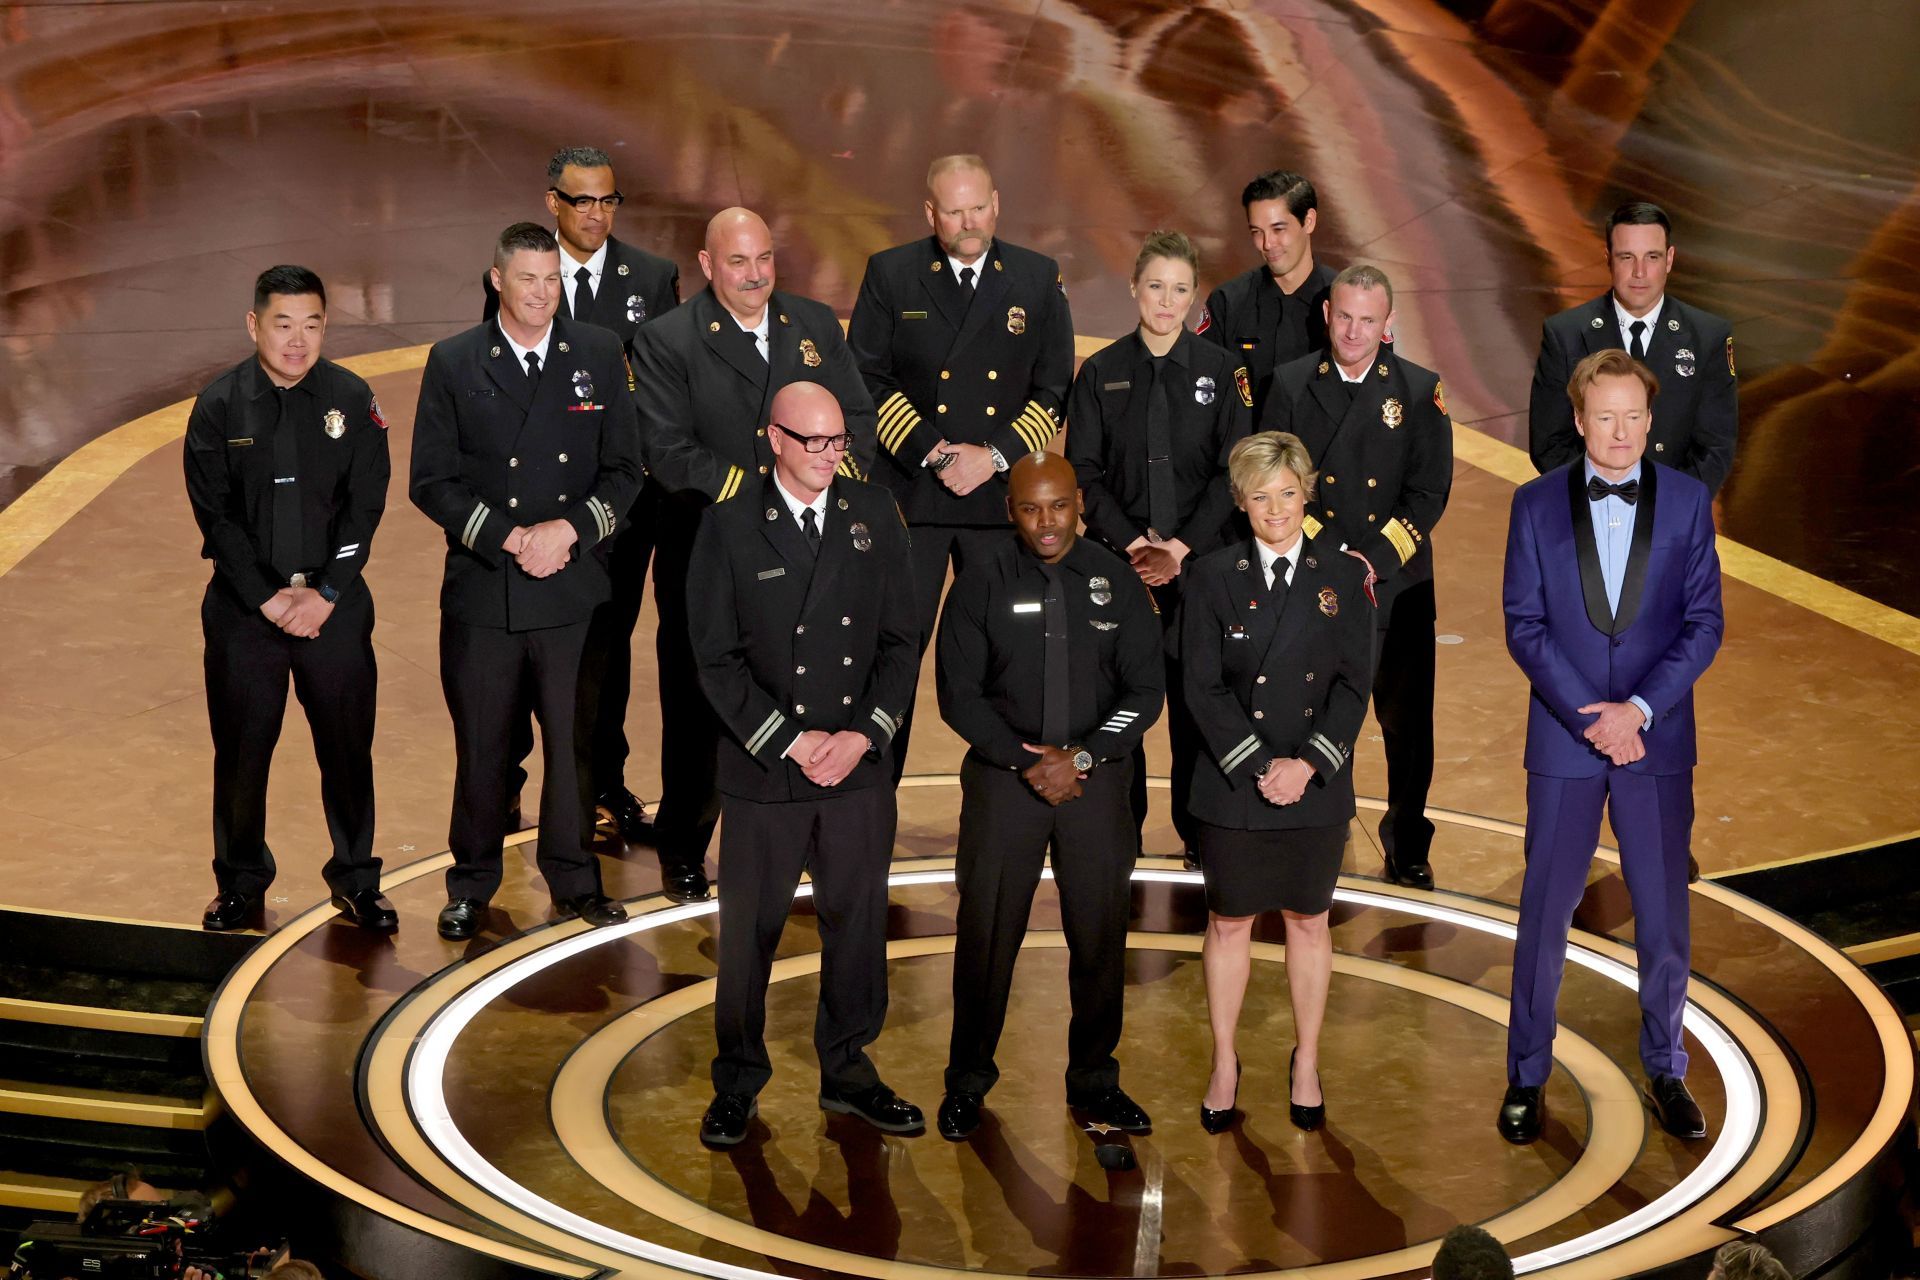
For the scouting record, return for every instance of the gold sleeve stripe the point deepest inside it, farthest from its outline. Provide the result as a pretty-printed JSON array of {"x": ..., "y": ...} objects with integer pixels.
[
  {"x": 1312, "y": 526},
  {"x": 897, "y": 421},
  {"x": 731, "y": 485},
  {"x": 1035, "y": 427},
  {"x": 849, "y": 468},
  {"x": 1402, "y": 540}
]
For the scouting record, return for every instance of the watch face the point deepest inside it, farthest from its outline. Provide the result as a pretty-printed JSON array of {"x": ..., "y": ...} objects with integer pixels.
[{"x": 1083, "y": 761}]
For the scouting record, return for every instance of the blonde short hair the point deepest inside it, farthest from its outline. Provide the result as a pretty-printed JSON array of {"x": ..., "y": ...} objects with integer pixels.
[{"x": 1260, "y": 457}]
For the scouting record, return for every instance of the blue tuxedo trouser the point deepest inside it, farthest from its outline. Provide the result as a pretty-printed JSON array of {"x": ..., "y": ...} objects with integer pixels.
[{"x": 1653, "y": 818}]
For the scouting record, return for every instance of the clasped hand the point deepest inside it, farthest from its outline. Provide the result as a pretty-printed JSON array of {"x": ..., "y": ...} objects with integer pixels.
[
  {"x": 1157, "y": 563},
  {"x": 1053, "y": 777},
  {"x": 541, "y": 550},
  {"x": 972, "y": 466},
  {"x": 298, "y": 611},
  {"x": 827, "y": 758},
  {"x": 1285, "y": 782},
  {"x": 1616, "y": 734}
]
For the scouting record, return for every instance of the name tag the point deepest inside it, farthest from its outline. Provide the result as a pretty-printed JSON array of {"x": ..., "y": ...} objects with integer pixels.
[
  {"x": 1027, "y": 606},
  {"x": 764, "y": 574},
  {"x": 240, "y": 443},
  {"x": 913, "y": 315},
  {"x": 1115, "y": 386}
]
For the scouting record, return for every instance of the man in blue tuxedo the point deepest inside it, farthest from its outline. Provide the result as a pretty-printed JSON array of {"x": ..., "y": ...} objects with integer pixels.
[{"x": 1612, "y": 596}]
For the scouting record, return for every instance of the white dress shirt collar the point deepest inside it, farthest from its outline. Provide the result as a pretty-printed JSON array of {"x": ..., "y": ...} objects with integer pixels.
[
  {"x": 539, "y": 348},
  {"x": 795, "y": 506},
  {"x": 570, "y": 264},
  {"x": 1268, "y": 558},
  {"x": 1625, "y": 321}
]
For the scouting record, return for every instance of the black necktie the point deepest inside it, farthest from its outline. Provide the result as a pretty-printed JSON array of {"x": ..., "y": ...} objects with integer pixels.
[
  {"x": 1638, "y": 349},
  {"x": 1628, "y": 491},
  {"x": 1163, "y": 512},
  {"x": 289, "y": 550},
  {"x": 811, "y": 528},
  {"x": 966, "y": 282},
  {"x": 533, "y": 367},
  {"x": 582, "y": 293},
  {"x": 1056, "y": 706},
  {"x": 1282, "y": 572}
]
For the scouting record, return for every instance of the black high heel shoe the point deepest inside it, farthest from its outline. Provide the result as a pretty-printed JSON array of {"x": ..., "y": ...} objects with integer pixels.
[
  {"x": 1306, "y": 1118},
  {"x": 1222, "y": 1120}
]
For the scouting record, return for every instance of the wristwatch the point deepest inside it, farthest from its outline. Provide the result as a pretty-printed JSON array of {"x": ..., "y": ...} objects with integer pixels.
[
  {"x": 328, "y": 593},
  {"x": 1261, "y": 772},
  {"x": 1000, "y": 462},
  {"x": 1082, "y": 760},
  {"x": 943, "y": 462}
]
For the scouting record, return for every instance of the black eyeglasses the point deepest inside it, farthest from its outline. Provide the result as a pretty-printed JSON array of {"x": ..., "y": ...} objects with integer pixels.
[
  {"x": 818, "y": 444},
  {"x": 584, "y": 203}
]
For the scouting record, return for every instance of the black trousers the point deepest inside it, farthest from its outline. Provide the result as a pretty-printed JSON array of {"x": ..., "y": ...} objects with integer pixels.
[
  {"x": 845, "y": 843},
  {"x": 1403, "y": 643},
  {"x": 606, "y": 670},
  {"x": 485, "y": 673},
  {"x": 1183, "y": 734},
  {"x": 1006, "y": 833},
  {"x": 689, "y": 731},
  {"x": 933, "y": 546},
  {"x": 248, "y": 661}
]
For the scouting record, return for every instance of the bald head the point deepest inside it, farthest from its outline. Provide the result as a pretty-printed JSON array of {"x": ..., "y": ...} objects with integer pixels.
[
  {"x": 738, "y": 259},
  {"x": 802, "y": 413},
  {"x": 1043, "y": 500},
  {"x": 809, "y": 408}
]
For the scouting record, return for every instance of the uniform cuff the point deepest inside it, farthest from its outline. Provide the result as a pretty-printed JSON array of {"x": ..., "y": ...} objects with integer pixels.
[{"x": 1645, "y": 711}]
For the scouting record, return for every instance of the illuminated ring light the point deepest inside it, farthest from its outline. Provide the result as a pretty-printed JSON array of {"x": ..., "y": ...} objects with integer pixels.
[{"x": 426, "y": 1068}]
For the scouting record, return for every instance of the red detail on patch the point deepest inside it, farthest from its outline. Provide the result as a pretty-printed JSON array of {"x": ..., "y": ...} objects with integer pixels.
[
  {"x": 1206, "y": 321},
  {"x": 373, "y": 411}
]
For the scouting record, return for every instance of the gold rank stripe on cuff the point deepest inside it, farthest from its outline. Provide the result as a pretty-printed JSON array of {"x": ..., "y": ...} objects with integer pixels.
[
  {"x": 730, "y": 485},
  {"x": 602, "y": 517},
  {"x": 897, "y": 421},
  {"x": 1327, "y": 749},
  {"x": 1238, "y": 756},
  {"x": 849, "y": 468},
  {"x": 885, "y": 722},
  {"x": 1401, "y": 535},
  {"x": 767, "y": 729},
  {"x": 1035, "y": 426},
  {"x": 474, "y": 524},
  {"x": 1312, "y": 526}
]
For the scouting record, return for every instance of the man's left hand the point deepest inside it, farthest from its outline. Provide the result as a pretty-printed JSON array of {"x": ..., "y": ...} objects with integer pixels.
[
  {"x": 545, "y": 550},
  {"x": 1617, "y": 731},
  {"x": 972, "y": 466},
  {"x": 1052, "y": 777},
  {"x": 1371, "y": 578},
  {"x": 833, "y": 762},
  {"x": 306, "y": 611},
  {"x": 1158, "y": 563}
]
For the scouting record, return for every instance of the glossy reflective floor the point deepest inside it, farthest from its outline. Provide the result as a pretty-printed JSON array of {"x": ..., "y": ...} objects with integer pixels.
[{"x": 154, "y": 157}]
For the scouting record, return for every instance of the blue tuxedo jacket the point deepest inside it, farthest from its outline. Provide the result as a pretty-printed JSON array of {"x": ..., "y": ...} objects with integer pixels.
[{"x": 1577, "y": 651}]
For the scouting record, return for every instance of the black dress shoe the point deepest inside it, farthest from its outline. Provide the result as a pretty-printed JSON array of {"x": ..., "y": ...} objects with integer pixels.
[
  {"x": 1112, "y": 1107},
  {"x": 1693, "y": 870},
  {"x": 1222, "y": 1120},
  {"x": 629, "y": 815},
  {"x": 460, "y": 918},
  {"x": 1414, "y": 875},
  {"x": 959, "y": 1116},
  {"x": 1522, "y": 1112},
  {"x": 1679, "y": 1114},
  {"x": 369, "y": 909},
  {"x": 878, "y": 1105},
  {"x": 1305, "y": 1118},
  {"x": 726, "y": 1120},
  {"x": 685, "y": 886},
  {"x": 230, "y": 910},
  {"x": 596, "y": 908}
]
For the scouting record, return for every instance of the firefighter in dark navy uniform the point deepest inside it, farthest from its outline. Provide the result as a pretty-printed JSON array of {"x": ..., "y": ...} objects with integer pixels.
[
  {"x": 286, "y": 468},
  {"x": 804, "y": 629},
  {"x": 966, "y": 343},
  {"x": 1150, "y": 424},
  {"x": 1377, "y": 430},
  {"x": 618, "y": 287},
  {"x": 525, "y": 451},
  {"x": 1273, "y": 313},
  {"x": 1049, "y": 667},
  {"x": 707, "y": 373}
]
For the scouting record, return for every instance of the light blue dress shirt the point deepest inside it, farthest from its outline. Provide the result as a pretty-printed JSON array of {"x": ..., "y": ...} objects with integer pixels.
[{"x": 1613, "y": 538}]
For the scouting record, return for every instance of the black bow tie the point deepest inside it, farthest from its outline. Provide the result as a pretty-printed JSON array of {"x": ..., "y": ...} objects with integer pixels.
[{"x": 1627, "y": 491}]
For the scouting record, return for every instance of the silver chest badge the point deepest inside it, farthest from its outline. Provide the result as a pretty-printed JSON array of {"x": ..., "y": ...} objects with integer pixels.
[
  {"x": 1203, "y": 390},
  {"x": 862, "y": 537},
  {"x": 335, "y": 423},
  {"x": 636, "y": 308},
  {"x": 1683, "y": 362},
  {"x": 583, "y": 386},
  {"x": 1101, "y": 589}
]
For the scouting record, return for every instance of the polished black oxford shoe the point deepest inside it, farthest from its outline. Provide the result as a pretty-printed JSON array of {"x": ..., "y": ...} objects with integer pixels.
[
  {"x": 230, "y": 910},
  {"x": 1678, "y": 1113},
  {"x": 878, "y": 1105},
  {"x": 959, "y": 1115},
  {"x": 1413, "y": 875},
  {"x": 629, "y": 815},
  {"x": 727, "y": 1118},
  {"x": 1522, "y": 1113},
  {"x": 460, "y": 918},
  {"x": 1113, "y": 1108},
  {"x": 596, "y": 908},
  {"x": 369, "y": 909},
  {"x": 685, "y": 886}
]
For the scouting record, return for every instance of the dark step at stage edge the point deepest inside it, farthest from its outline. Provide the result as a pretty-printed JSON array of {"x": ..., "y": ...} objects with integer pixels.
[
  {"x": 1851, "y": 898},
  {"x": 61, "y": 1148},
  {"x": 55, "y": 984},
  {"x": 150, "y": 1065},
  {"x": 127, "y": 948}
]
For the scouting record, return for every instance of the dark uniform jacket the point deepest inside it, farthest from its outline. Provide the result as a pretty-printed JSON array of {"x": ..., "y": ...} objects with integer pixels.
[
  {"x": 1696, "y": 416},
  {"x": 1210, "y": 410},
  {"x": 635, "y": 286},
  {"x": 1385, "y": 459},
  {"x": 1266, "y": 684},
  {"x": 1264, "y": 328},
  {"x": 342, "y": 470},
  {"x": 490, "y": 452},
  {"x": 992, "y": 655},
  {"x": 705, "y": 394},
  {"x": 788, "y": 642},
  {"x": 991, "y": 371}
]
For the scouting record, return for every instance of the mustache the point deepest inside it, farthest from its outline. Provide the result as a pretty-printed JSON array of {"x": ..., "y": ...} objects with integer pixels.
[{"x": 760, "y": 282}]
